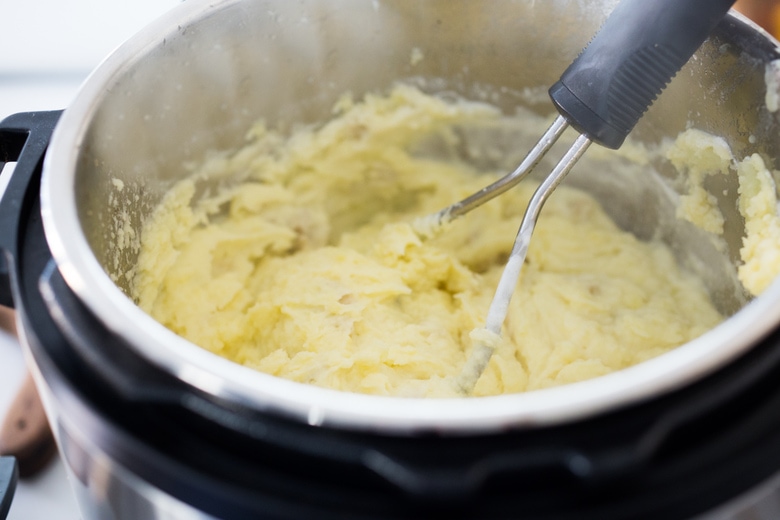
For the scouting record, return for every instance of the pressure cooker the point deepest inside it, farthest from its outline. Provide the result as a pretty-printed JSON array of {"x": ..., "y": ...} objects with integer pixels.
[{"x": 151, "y": 426}]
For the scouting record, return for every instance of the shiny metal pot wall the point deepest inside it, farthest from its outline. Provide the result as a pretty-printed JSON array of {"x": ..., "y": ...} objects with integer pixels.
[{"x": 195, "y": 80}]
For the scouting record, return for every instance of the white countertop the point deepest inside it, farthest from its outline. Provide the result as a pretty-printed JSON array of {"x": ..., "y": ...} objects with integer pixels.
[{"x": 50, "y": 48}]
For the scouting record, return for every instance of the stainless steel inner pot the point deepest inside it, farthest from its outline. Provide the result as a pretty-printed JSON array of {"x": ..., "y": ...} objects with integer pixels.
[{"x": 194, "y": 81}]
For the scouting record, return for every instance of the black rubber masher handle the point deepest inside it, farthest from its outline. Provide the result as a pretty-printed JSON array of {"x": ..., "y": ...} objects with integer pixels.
[{"x": 632, "y": 58}]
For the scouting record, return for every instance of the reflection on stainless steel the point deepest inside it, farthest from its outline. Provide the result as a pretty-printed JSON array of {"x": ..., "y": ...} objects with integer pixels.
[
  {"x": 761, "y": 503},
  {"x": 107, "y": 491}
]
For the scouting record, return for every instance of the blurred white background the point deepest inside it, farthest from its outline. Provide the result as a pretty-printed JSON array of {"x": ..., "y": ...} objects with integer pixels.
[{"x": 47, "y": 48}]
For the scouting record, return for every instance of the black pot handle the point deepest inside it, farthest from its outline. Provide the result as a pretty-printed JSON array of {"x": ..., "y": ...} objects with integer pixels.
[
  {"x": 24, "y": 138},
  {"x": 9, "y": 474}
]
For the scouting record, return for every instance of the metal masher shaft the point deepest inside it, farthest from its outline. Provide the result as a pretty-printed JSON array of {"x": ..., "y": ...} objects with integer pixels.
[
  {"x": 499, "y": 306},
  {"x": 506, "y": 182},
  {"x": 506, "y": 286}
]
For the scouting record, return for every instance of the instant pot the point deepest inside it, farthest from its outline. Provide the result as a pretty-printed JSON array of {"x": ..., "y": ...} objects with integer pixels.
[{"x": 151, "y": 426}]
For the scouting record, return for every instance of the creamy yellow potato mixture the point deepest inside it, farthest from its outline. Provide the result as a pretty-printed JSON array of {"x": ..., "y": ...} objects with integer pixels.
[
  {"x": 309, "y": 269},
  {"x": 699, "y": 155}
]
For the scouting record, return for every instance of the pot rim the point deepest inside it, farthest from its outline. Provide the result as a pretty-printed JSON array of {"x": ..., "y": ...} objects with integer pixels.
[{"x": 317, "y": 406}]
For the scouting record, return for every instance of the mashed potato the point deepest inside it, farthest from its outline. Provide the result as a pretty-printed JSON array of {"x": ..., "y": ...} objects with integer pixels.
[
  {"x": 309, "y": 269},
  {"x": 698, "y": 155}
]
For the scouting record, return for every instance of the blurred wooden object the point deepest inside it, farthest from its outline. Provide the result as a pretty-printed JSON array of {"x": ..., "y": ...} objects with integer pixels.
[
  {"x": 765, "y": 13},
  {"x": 24, "y": 431},
  {"x": 7, "y": 320}
]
